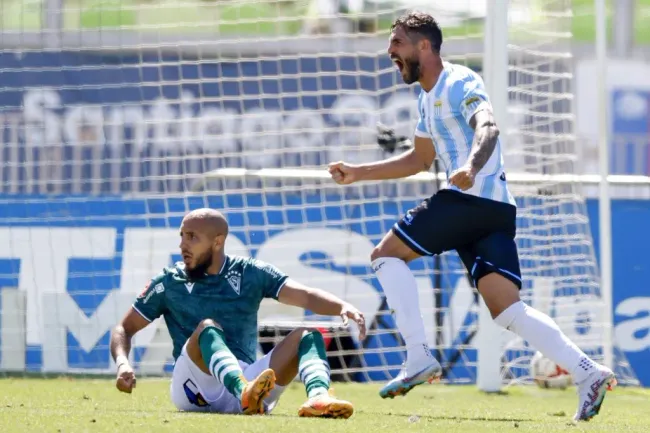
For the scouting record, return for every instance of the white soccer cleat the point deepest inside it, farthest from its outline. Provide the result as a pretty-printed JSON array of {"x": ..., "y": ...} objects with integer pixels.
[
  {"x": 403, "y": 383},
  {"x": 591, "y": 392}
]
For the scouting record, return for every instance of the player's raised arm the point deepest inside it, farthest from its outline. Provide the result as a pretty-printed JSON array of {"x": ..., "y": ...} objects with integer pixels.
[
  {"x": 417, "y": 159},
  {"x": 320, "y": 302}
]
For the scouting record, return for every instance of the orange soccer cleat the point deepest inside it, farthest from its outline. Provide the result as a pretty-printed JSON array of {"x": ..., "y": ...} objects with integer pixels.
[
  {"x": 252, "y": 399},
  {"x": 326, "y": 406}
]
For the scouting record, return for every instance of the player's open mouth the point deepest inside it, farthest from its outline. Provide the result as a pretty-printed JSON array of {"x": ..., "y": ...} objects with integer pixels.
[{"x": 399, "y": 64}]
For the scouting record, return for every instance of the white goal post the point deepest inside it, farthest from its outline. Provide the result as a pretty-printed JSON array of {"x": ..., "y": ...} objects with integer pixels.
[{"x": 110, "y": 134}]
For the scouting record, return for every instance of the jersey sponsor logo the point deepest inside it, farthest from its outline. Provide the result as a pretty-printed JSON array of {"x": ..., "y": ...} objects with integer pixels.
[
  {"x": 234, "y": 279},
  {"x": 270, "y": 269},
  {"x": 189, "y": 287},
  {"x": 158, "y": 288}
]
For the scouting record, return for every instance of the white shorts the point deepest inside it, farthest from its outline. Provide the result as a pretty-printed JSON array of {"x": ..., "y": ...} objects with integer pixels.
[{"x": 194, "y": 391}]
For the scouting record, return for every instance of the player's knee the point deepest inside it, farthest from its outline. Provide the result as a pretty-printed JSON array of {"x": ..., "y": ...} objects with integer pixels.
[
  {"x": 302, "y": 331},
  {"x": 381, "y": 251},
  {"x": 394, "y": 247},
  {"x": 207, "y": 323},
  {"x": 305, "y": 331}
]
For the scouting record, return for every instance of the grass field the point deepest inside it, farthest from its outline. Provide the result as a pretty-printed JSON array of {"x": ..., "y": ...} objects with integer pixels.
[{"x": 80, "y": 405}]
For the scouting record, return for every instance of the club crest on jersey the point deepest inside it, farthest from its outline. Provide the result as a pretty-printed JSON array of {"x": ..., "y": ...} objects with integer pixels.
[
  {"x": 234, "y": 279},
  {"x": 437, "y": 108}
]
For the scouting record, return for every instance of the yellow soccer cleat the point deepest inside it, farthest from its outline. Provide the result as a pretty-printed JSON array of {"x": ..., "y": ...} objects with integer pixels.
[
  {"x": 252, "y": 399},
  {"x": 326, "y": 406}
]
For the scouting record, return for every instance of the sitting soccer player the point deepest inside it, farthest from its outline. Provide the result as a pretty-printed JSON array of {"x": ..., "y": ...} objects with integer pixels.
[{"x": 210, "y": 304}]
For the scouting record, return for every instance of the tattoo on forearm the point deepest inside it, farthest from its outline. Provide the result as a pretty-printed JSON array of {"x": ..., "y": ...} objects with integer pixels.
[{"x": 485, "y": 140}]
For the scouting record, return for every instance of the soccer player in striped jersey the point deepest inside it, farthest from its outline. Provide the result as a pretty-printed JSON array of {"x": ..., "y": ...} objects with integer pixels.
[
  {"x": 210, "y": 303},
  {"x": 475, "y": 215}
]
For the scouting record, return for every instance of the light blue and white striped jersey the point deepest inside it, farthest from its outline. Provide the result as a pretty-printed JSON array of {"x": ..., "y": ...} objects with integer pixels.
[{"x": 445, "y": 112}]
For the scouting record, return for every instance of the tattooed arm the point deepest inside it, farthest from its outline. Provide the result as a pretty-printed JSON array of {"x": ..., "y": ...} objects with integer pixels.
[{"x": 486, "y": 134}]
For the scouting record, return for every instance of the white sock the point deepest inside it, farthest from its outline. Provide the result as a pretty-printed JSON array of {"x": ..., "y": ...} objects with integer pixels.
[
  {"x": 401, "y": 291},
  {"x": 543, "y": 333}
]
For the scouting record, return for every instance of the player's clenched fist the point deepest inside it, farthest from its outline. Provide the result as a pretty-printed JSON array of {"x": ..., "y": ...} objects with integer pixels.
[
  {"x": 463, "y": 178},
  {"x": 125, "y": 378},
  {"x": 343, "y": 173}
]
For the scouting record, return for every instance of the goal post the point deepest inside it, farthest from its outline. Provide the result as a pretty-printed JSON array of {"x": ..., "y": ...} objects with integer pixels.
[
  {"x": 495, "y": 75},
  {"x": 117, "y": 119},
  {"x": 604, "y": 198}
]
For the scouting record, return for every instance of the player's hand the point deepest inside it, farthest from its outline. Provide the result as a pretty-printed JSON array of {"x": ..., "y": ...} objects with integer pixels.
[
  {"x": 350, "y": 312},
  {"x": 343, "y": 173},
  {"x": 463, "y": 178},
  {"x": 125, "y": 378}
]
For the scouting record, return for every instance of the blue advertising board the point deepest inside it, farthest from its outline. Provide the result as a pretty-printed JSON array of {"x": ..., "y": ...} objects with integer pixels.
[{"x": 275, "y": 227}]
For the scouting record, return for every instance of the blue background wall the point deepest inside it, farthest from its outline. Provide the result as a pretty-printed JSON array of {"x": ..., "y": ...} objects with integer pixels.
[{"x": 89, "y": 280}]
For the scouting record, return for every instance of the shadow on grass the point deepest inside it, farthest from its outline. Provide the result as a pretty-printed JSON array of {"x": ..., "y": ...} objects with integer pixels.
[{"x": 448, "y": 417}]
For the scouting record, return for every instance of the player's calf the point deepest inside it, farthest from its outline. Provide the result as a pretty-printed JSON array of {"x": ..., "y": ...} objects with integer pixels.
[
  {"x": 303, "y": 353},
  {"x": 389, "y": 262},
  {"x": 314, "y": 372},
  {"x": 207, "y": 349},
  {"x": 538, "y": 329}
]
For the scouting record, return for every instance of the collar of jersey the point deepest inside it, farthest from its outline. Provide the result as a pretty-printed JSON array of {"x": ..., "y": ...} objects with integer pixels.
[{"x": 441, "y": 78}]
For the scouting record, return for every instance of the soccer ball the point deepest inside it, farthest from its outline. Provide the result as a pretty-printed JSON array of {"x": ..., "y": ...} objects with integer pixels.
[{"x": 547, "y": 374}]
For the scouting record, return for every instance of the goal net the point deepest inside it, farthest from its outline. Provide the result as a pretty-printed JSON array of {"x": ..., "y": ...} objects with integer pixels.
[{"x": 131, "y": 115}]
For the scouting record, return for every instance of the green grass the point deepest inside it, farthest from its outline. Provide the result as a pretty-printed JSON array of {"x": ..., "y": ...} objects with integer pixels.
[
  {"x": 241, "y": 17},
  {"x": 584, "y": 29},
  {"x": 79, "y": 405}
]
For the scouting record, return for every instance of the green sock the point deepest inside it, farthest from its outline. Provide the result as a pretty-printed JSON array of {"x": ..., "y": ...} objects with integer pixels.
[
  {"x": 220, "y": 361},
  {"x": 313, "y": 368}
]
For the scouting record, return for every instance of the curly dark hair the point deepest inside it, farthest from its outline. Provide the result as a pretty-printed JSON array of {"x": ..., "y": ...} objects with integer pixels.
[{"x": 420, "y": 25}]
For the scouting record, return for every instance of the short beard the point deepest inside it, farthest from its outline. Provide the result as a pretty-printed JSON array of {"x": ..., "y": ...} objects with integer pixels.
[
  {"x": 413, "y": 71},
  {"x": 201, "y": 267}
]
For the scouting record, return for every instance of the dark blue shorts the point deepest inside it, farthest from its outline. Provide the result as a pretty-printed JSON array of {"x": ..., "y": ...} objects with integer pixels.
[{"x": 482, "y": 231}]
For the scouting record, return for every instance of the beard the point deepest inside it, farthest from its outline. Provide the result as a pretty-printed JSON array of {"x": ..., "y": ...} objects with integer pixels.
[
  {"x": 202, "y": 265},
  {"x": 412, "y": 68}
]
